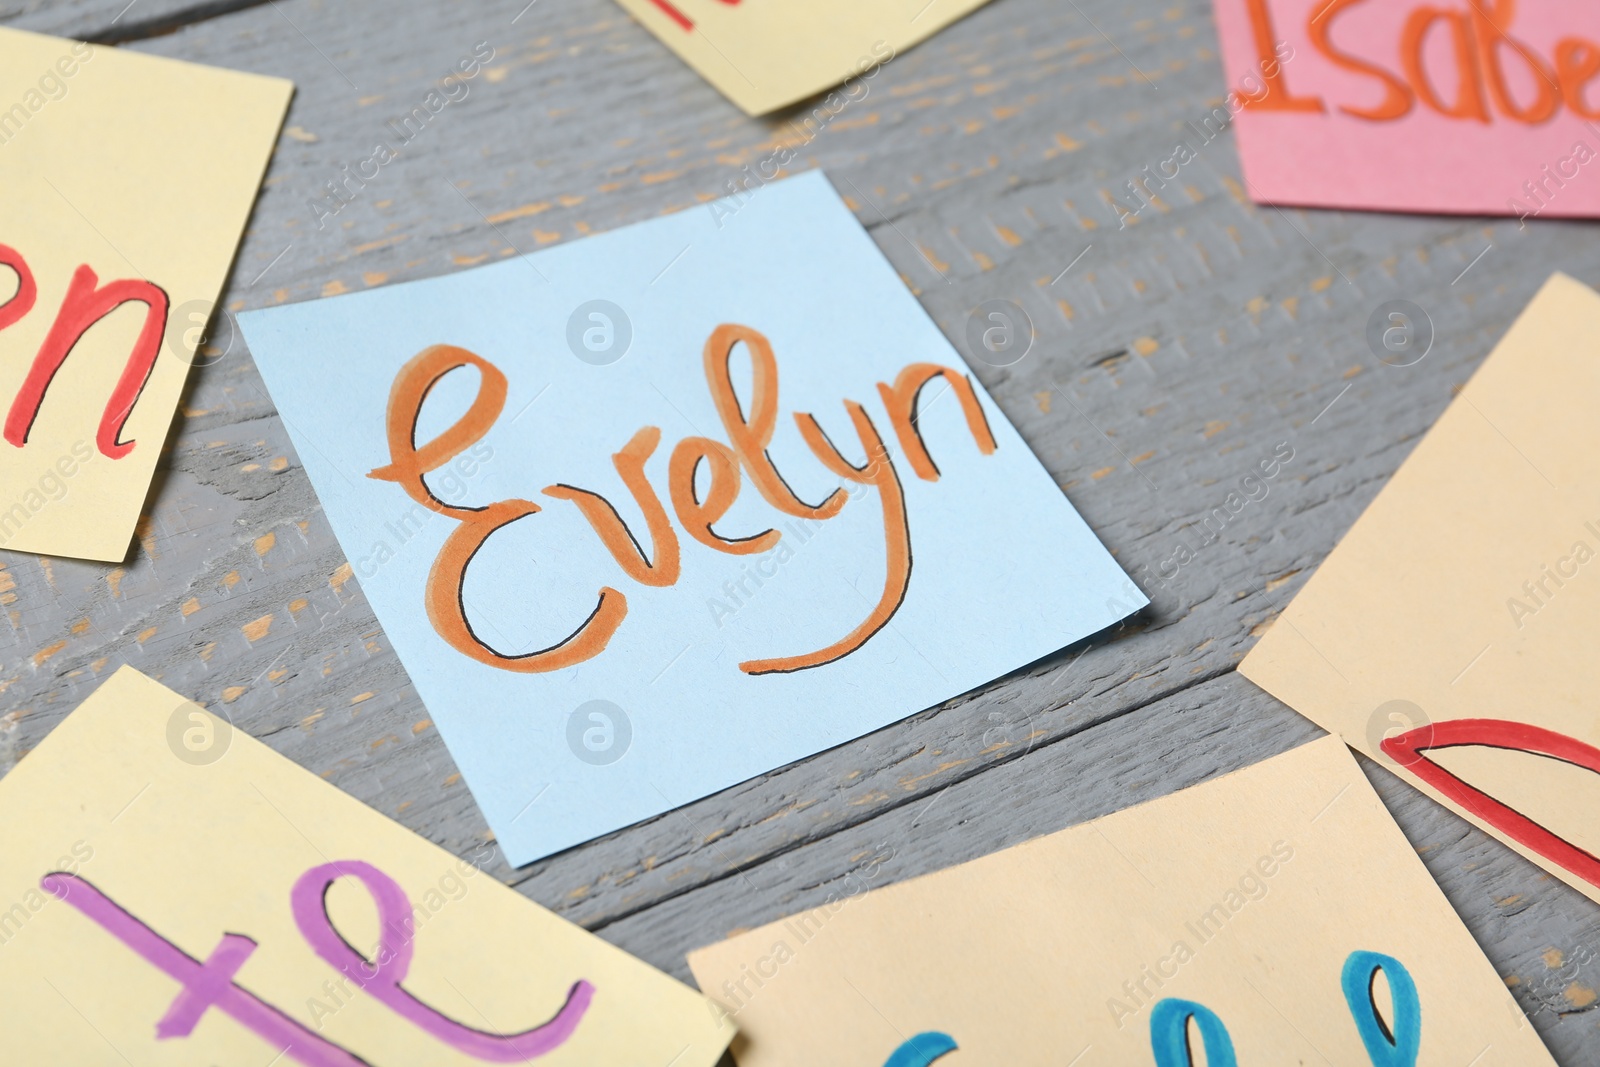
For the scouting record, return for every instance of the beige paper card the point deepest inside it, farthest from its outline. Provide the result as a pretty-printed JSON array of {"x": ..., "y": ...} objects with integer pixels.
[
  {"x": 767, "y": 54},
  {"x": 128, "y": 180},
  {"x": 1452, "y": 635},
  {"x": 1275, "y": 915},
  {"x": 172, "y": 891}
]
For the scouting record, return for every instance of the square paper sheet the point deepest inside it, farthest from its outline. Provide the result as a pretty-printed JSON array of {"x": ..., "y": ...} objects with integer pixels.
[
  {"x": 1487, "y": 107},
  {"x": 128, "y": 180},
  {"x": 1451, "y": 634},
  {"x": 581, "y": 690},
  {"x": 1278, "y": 911},
  {"x": 172, "y": 892},
  {"x": 767, "y": 54}
]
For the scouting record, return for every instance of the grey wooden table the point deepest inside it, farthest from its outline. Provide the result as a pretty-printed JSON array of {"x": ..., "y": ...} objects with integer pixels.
[{"x": 1173, "y": 355}]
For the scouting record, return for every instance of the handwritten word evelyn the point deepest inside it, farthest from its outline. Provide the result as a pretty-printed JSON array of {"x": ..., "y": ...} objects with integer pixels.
[
  {"x": 749, "y": 430},
  {"x": 210, "y": 983},
  {"x": 1475, "y": 86}
]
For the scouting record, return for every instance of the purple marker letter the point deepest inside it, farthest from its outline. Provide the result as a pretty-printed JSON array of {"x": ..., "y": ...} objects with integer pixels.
[
  {"x": 381, "y": 977},
  {"x": 205, "y": 985}
]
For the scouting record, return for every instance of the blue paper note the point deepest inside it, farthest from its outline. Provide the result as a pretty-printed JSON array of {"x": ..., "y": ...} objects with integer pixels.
[{"x": 585, "y": 683}]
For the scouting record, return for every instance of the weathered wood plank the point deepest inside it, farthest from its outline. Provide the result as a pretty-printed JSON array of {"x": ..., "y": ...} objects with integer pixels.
[
  {"x": 114, "y": 20},
  {"x": 1169, "y": 360}
]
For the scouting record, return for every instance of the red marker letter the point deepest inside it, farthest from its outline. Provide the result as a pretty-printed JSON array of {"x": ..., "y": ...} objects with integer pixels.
[{"x": 86, "y": 304}]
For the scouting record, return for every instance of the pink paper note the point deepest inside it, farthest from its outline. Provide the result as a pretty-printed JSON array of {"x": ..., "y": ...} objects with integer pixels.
[{"x": 1456, "y": 106}]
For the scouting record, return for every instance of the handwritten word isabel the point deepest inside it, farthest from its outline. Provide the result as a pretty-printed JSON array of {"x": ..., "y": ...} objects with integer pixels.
[
  {"x": 86, "y": 303},
  {"x": 749, "y": 429},
  {"x": 1486, "y": 61},
  {"x": 210, "y": 983}
]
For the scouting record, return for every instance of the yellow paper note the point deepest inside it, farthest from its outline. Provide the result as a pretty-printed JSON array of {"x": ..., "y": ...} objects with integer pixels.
[
  {"x": 174, "y": 892},
  {"x": 128, "y": 180},
  {"x": 1452, "y": 633},
  {"x": 767, "y": 54},
  {"x": 1274, "y": 915}
]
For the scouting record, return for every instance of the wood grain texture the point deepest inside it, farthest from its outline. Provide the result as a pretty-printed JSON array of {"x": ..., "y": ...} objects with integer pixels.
[{"x": 1169, "y": 359}]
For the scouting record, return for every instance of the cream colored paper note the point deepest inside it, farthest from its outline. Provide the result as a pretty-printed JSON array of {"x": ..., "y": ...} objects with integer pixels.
[
  {"x": 767, "y": 54},
  {"x": 1452, "y": 634},
  {"x": 1274, "y": 915},
  {"x": 174, "y": 892},
  {"x": 128, "y": 180}
]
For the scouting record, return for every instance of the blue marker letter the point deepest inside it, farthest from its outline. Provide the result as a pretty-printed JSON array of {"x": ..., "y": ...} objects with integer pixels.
[
  {"x": 1169, "y": 1034},
  {"x": 1386, "y": 1046},
  {"x": 921, "y": 1050}
]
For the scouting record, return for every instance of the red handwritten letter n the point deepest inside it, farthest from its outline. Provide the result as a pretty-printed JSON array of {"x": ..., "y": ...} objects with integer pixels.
[{"x": 87, "y": 303}]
